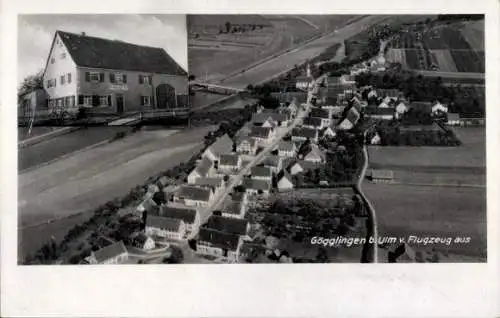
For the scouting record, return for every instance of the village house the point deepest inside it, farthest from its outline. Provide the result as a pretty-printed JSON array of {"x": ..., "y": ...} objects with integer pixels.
[
  {"x": 189, "y": 216},
  {"x": 286, "y": 149},
  {"x": 312, "y": 153},
  {"x": 383, "y": 104},
  {"x": 379, "y": 113},
  {"x": 347, "y": 80},
  {"x": 229, "y": 164},
  {"x": 256, "y": 186},
  {"x": 375, "y": 140},
  {"x": 313, "y": 123},
  {"x": 31, "y": 102},
  {"x": 262, "y": 135},
  {"x": 111, "y": 76},
  {"x": 385, "y": 176},
  {"x": 214, "y": 183},
  {"x": 193, "y": 195},
  {"x": 285, "y": 181},
  {"x": 240, "y": 197},
  {"x": 273, "y": 162},
  {"x": 148, "y": 205},
  {"x": 234, "y": 209},
  {"x": 165, "y": 227},
  {"x": 203, "y": 169},
  {"x": 303, "y": 134},
  {"x": 401, "y": 109},
  {"x": 301, "y": 166},
  {"x": 350, "y": 120},
  {"x": 228, "y": 225},
  {"x": 219, "y": 244},
  {"x": 453, "y": 119},
  {"x": 304, "y": 82},
  {"x": 292, "y": 109},
  {"x": 115, "y": 253},
  {"x": 243, "y": 132},
  {"x": 328, "y": 132},
  {"x": 247, "y": 146},
  {"x": 261, "y": 173},
  {"x": 142, "y": 241},
  {"x": 439, "y": 108},
  {"x": 263, "y": 119},
  {"x": 222, "y": 145}
]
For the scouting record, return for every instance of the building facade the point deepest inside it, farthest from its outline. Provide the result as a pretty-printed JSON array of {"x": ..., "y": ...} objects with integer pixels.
[{"x": 110, "y": 76}]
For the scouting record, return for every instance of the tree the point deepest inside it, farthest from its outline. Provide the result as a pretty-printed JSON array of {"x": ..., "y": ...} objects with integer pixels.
[
  {"x": 228, "y": 26},
  {"x": 191, "y": 77},
  {"x": 31, "y": 83}
]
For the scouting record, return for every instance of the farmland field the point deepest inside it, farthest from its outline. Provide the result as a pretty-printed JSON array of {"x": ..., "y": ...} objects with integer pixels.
[
  {"x": 215, "y": 55},
  {"x": 445, "y": 48},
  {"x": 404, "y": 210}
]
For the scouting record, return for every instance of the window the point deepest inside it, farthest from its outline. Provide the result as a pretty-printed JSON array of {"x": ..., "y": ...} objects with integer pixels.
[
  {"x": 60, "y": 102},
  {"x": 52, "y": 60},
  {"x": 87, "y": 100},
  {"x": 94, "y": 77},
  {"x": 69, "y": 78},
  {"x": 145, "y": 100},
  {"x": 63, "y": 77},
  {"x": 145, "y": 79},
  {"x": 118, "y": 78},
  {"x": 51, "y": 83},
  {"x": 104, "y": 100},
  {"x": 70, "y": 101},
  {"x": 63, "y": 56}
]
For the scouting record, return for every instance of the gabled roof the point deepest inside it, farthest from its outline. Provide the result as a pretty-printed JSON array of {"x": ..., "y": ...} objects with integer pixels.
[
  {"x": 352, "y": 115},
  {"x": 234, "y": 207},
  {"x": 286, "y": 145},
  {"x": 305, "y": 132},
  {"x": 223, "y": 144},
  {"x": 370, "y": 110},
  {"x": 260, "y": 118},
  {"x": 212, "y": 182},
  {"x": 185, "y": 214},
  {"x": 109, "y": 252},
  {"x": 164, "y": 223},
  {"x": 306, "y": 165},
  {"x": 259, "y": 171},
  {"x": 229, "y": 160},
  {"x": 204, "y": 166},
  {"x": 271, "y": 161},
  {"x": 312, "y": 121},
  {"x": 313, "y": 150},
  {"x": 284, "y": 174},
  {"x": 194, "y": 193},
  {"x": 260, "y": 132},
  {"x": 238, "y": 196},
  {"x": 249, "y": 140},
  {"x": 227, "y": 225},
  {"x": 320, "y": 113},
  {"x": 256, "y": 184},
  {"x": 150, "y": 206},
  {"x": 89, "y": 51},
  {"x": 219, "y": 239},
  {"x": 422, "y": 106}
]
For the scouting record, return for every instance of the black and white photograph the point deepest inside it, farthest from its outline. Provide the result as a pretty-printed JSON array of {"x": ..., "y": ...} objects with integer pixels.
[{"x": 310, "y": 139}]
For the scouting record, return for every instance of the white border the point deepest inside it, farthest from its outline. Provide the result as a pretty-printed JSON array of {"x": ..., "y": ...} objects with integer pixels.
[{"x": 244, "y": 290}]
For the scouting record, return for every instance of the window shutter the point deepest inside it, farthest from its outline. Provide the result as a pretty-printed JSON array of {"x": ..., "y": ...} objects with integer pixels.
[
  {"x": 109, "y": 100},
  {"x": 69, "y": 78},
  {"x": 87, "y": 76},
  {"x": 101, "y": 77},
  {"x": 140, "y": 79},
  {"x": 112, "y": 77},
  {"x": 80, "y": 99},
  {"x": 124, "y": 78},
  {"x": 150, "y": 79}
]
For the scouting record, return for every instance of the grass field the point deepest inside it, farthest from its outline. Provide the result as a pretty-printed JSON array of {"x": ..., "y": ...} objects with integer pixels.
[
  {"x": 472, "y": 153},
  {"x": 473, "y": 33},
  {"x": 404, "y": 210}
]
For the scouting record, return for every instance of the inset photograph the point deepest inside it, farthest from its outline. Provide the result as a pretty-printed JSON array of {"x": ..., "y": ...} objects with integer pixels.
[{"x": 102, "y": 69}]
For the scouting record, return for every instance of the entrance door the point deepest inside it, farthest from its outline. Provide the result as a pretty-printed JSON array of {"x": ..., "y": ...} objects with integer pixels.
[
  {"x": 165, "y": 96},
  {"x": 120, "y": 107}
]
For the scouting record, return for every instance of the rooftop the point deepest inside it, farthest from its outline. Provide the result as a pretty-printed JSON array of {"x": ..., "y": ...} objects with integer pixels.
[
  {"x": 194, "y": 193},
  {"x": 161, "y": 222},
  {"x": 109, "y": 252},
  {"x": 256, "y": 184},
  {"x": 259, "y": 171},
  {"x": 229, "y": 160},
  {"x": 218, "y": 239},
  {"x": 227, "y": 225},
  {"x": 89, "y": 51},
  {"x": 186, "y": 214}
]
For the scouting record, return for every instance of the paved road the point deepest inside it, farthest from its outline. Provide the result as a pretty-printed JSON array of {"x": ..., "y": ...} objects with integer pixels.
[
  {"x": 373, "y": 230},
  {"x": 272, "y": 68}
]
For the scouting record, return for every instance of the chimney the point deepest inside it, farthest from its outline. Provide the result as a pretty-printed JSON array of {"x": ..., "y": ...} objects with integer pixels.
[{"x": 83, "y": 34}]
